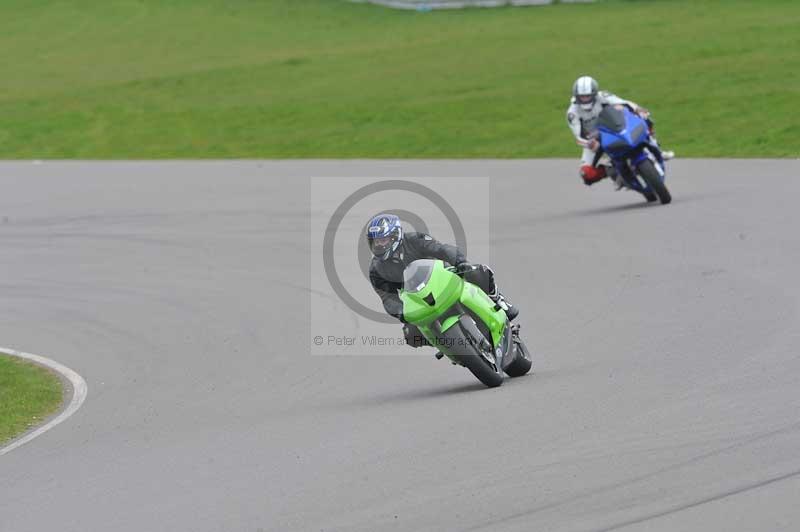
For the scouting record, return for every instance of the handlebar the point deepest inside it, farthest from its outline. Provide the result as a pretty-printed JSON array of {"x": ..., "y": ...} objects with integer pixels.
[{"x": 465, "y": 268}]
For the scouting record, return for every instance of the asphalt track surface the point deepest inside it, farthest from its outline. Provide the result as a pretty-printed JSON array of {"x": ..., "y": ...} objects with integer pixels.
[{"x": 665, "y": 393}]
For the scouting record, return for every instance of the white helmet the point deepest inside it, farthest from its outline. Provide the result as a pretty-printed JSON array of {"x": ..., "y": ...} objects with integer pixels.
[{"x": 585, "y": 92}]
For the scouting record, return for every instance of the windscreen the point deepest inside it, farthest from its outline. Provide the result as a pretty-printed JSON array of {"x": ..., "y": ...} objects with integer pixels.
[
  {"x": 611, "y": 118},
  {"x": 418, "y": 273}
]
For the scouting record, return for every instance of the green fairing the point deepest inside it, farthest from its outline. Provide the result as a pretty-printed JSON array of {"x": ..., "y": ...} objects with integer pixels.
[
  {"x": 448, "y": 288},
  {"x": 478, "y": 302}
]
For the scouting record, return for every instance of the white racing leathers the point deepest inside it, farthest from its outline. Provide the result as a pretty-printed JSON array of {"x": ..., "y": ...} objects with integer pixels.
[{"x": 583, "y": 122}]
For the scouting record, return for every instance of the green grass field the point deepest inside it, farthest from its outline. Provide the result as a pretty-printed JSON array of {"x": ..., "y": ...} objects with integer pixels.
[
  {"x": 28, "y": 394},
  {"x": 327, "y": 78}
]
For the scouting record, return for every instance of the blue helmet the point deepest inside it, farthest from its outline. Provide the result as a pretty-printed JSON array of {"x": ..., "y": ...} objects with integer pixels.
[{"x": 384, "y": 235}]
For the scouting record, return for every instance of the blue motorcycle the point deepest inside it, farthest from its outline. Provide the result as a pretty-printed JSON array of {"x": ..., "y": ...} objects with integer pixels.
[{"x": 625, "y": 137}]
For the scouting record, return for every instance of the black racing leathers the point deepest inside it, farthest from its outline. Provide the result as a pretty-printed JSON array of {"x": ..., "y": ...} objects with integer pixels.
[{"x": 386, "y": 276}]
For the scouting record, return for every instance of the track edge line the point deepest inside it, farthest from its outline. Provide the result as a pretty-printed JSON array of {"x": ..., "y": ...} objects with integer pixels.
[{"x": 79, "y": 392}]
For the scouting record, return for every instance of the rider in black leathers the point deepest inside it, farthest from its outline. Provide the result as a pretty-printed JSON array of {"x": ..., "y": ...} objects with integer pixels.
[{"x": 393, "y": 251}]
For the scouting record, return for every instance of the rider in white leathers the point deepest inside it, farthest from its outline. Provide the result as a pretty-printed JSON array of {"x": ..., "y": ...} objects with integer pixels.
[{"x": 585, "y": 106}]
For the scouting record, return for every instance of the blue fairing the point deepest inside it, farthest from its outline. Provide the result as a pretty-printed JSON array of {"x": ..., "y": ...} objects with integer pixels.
[
  {"x": 618, "y": 143},
  {"x": 625, "y": 137}
]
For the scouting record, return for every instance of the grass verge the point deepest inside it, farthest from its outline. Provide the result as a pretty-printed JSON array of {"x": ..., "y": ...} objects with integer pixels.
[
  {"x": 330, "y": 78},
  {"x": 28, "y": 395}
]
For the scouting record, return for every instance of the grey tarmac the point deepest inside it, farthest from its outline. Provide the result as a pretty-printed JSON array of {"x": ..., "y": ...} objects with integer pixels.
[{"x": 665, "y": 338}]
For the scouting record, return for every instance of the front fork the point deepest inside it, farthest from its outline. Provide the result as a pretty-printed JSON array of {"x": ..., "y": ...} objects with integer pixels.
[
  {"x": 498, "y": 356},
  {"x": 628, "y": 168}
]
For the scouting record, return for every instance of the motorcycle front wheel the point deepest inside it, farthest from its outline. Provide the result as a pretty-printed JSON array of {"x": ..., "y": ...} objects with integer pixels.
[
  {"x": 651, "y": 176},
  {"x": 464, "y": 348}
]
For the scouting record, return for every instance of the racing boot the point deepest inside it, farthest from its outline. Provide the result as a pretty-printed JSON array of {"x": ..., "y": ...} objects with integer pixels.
[
  {"x": 666, "y": 154},
  {"x": 501, "y": 303},
  {"x": 591, "y": 174}
]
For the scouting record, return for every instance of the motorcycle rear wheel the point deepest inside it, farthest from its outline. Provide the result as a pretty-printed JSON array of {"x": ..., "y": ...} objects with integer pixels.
[{"x": 523, "y": 363}]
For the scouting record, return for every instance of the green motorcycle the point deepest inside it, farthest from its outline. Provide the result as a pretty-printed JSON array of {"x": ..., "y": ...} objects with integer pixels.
[{"x": 460, "y": 320}]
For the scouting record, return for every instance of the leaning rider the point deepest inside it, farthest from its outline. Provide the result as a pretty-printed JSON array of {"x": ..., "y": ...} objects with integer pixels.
[
  {"x": 585, "y": 106},
  {"x": 393, "y": 250}
]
